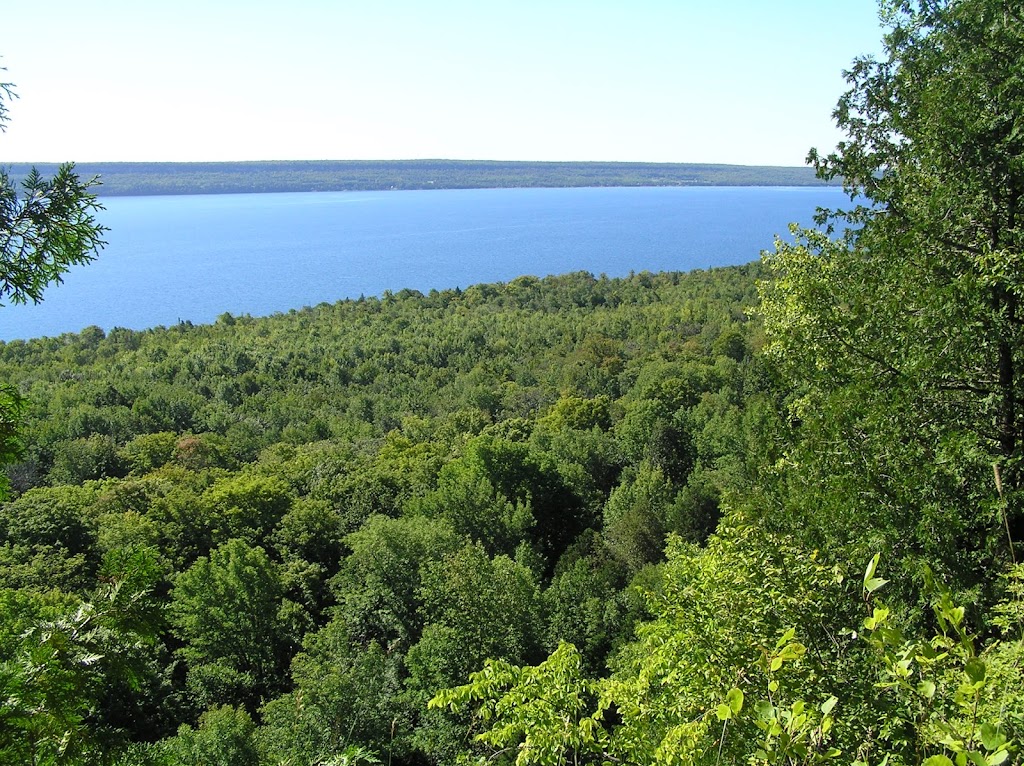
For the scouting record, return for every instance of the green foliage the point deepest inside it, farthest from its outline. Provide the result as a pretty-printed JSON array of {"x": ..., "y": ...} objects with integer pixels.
[
  {"x": 714, "y": 611},
  {"x": 378, "y": 588},
  {"x": 585, "y": 607},
  {"x": 310, "y": 531},
  {"x": 434, "y": 520},
  {"x": 467, "y": 499},
  {"x": 66, "y": 659},
  {"x": 538, "y": 713},
  {"x": 12, "y": 407},
  {"x": 47, "y": 539},
  {"x": 902, "y": 334},
  {"x": 678, "y": 690},
  {"x": 78, "y": 460},
  {"x": 380, "y": 494},
  {"x": 148, "y": 451},
  {"x": 246, "y": 507},
  {"x": 228, "y": 611},
  {"x": 636, "y": 516},
  {"x": 579, "y": 414},
  {"x": 45, "y": 230},
  {"x": 224, "y": 737},
  {"x": 343, "y": 694},
  {"x": 705, "y": 687},
  {"x": 474, "y": 607},
  {"x": 941, "y": 704}
]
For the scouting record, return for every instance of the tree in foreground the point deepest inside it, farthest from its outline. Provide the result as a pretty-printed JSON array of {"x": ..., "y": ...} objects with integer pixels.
[
  {"x": 905, "y": 334},
  {"x": 66, "y": 664},
  {"x": 45, "y": 228}
]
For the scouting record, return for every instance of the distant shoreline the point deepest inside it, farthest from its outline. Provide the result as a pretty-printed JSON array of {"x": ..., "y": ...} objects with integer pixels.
[{"x": 163, "y": 178}]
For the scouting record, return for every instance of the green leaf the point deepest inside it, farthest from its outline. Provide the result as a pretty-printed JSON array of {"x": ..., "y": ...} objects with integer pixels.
[
  {"x": 734, "y": 699},
  {"x": 998, "y": 757},
  {"x": 926, "y": 689},
  {"x": 786, "y": 638},
  {"x": 937, "y": 760},
  {"x": 975, "y": 670},
  {"x": 724, "y": 713},
  {"x": 827, "y": 705},
  {"x": 870, "y": 571},
  {"x": 874, "y": 584},
  {"x": 877, "y": 618},
  {"x": 991, "y": 737}
]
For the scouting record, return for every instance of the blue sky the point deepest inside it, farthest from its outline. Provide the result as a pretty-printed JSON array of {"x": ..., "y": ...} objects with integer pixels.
[{"x": 732, "y": 81}]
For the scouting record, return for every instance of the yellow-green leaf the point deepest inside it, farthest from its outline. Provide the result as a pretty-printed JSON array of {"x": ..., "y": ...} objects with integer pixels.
[
  {"x": 734, "y": 699},
  {"x": 998, "y": 757},
  {"x": 827, "y": 705}
]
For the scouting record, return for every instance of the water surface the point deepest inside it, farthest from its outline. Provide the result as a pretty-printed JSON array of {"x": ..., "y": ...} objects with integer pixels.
[{"x": 171, "y": 259}]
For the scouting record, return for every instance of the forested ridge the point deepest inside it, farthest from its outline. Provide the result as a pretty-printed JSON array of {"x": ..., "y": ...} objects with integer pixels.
[
  {"x": 144, "y": 178},
  {"x": 768, "y": 514}
]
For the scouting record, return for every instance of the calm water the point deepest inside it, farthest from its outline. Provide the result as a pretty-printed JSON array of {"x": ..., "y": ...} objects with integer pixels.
[{"x": 195, "y": 257}]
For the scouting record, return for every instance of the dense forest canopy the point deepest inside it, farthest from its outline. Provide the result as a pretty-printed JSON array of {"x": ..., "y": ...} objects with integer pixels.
[
  {"x": 417, "y": 482},
  {"x": 763, "y": 515}
]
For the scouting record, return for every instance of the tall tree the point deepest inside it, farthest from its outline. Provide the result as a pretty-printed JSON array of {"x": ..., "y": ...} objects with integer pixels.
[
  {"x": 901, "y": 318},
  {"x": 228, "y": 610}
]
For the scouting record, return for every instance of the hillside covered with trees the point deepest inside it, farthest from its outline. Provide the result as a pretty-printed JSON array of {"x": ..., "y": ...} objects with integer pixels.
[
  {"x": 769, "y": 514},
  {"x": 143, "y": 178},
  {"x": 367, "y": 499}
]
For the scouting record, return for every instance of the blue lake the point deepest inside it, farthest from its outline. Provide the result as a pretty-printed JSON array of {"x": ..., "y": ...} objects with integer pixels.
[{"x": 179, "y": 258}]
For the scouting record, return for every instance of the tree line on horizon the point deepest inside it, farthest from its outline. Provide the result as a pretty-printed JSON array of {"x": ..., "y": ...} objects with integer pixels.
[{"x": 154, "y": 178}]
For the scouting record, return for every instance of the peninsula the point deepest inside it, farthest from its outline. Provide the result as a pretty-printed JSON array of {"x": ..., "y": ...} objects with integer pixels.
[{"x": 148, "y": 178}]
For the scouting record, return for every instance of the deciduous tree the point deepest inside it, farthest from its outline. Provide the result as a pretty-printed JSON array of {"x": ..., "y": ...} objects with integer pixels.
[
  {"x": 227, "y": 609},
  {"x": 901, "y": 318}
]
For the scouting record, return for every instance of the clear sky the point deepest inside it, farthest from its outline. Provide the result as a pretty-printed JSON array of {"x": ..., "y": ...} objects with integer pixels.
[{"x": 731, "y": 81}]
